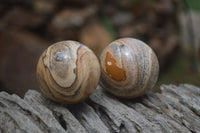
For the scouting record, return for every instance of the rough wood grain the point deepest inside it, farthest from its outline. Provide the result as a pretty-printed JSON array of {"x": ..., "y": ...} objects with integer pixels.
[{"x": 175, "y": 109}]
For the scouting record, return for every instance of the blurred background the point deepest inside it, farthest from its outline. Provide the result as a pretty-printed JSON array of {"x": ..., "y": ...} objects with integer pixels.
[{"x": 27, "y": 27}]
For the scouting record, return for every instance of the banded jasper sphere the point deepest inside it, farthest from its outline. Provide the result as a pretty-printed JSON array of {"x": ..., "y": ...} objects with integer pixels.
[
  {"x": 129, "y": 67},
  {"x": 68, "y": 72}
]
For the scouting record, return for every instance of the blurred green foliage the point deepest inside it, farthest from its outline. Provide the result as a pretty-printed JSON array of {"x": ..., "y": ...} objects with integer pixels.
[
  {"x": 109, "y": 27},
  {"x": 194, "y": 4},
  {"x": 179, "y": 72}
]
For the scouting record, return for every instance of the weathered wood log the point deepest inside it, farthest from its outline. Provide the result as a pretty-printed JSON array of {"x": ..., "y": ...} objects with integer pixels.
[{"x": 175, "y": 109}]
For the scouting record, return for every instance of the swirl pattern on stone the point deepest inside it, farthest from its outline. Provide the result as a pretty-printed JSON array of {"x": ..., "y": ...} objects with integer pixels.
[
  {"x": 68, "y": 72},
  {"x": 129, "y": 67}
]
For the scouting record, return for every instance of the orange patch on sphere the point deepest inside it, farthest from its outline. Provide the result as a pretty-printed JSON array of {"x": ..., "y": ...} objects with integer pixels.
[{"x": 112, "y": 69}]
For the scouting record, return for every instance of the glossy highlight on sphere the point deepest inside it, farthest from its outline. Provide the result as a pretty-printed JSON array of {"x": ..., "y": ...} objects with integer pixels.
[
  {"x": 129, "y": 67},
  {"x": 68, "y": 72}
]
